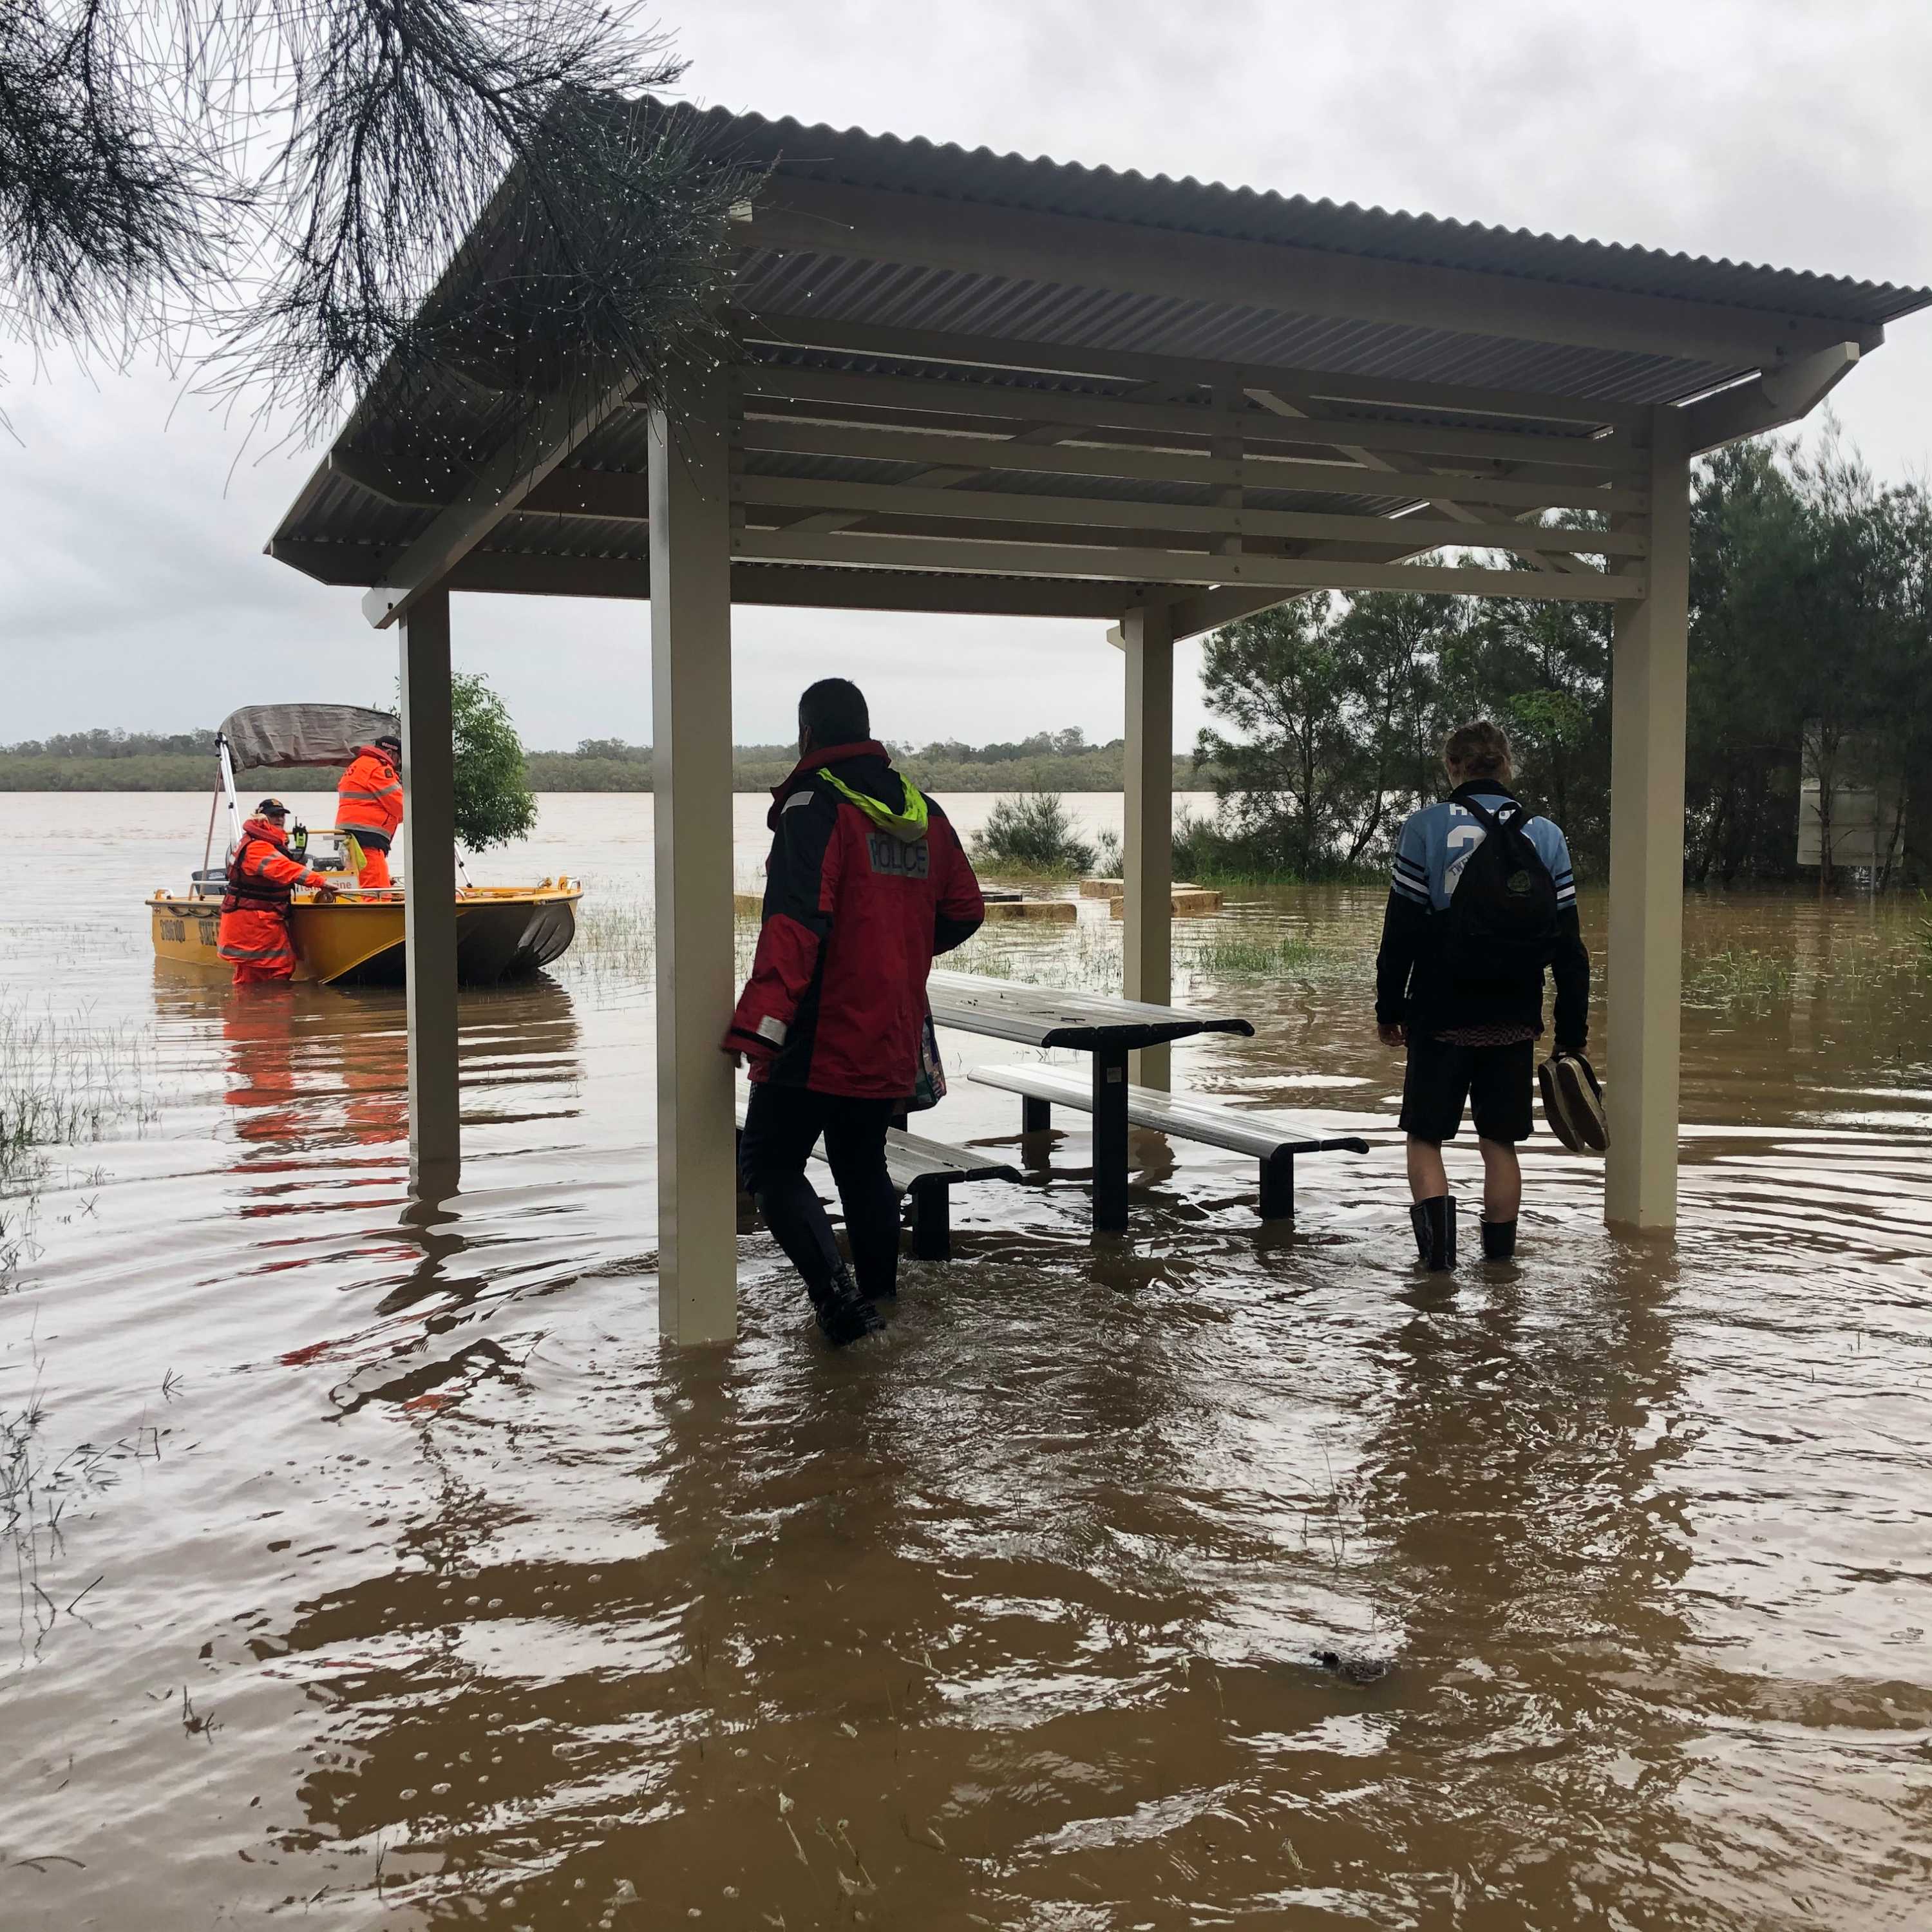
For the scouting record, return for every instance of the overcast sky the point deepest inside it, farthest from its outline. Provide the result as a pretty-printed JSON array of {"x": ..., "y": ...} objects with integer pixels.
[{"x": 133, "y": 591}]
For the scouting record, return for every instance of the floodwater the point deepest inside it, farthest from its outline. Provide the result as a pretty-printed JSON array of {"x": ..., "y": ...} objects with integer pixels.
[{"x": 367, "y": 1566}]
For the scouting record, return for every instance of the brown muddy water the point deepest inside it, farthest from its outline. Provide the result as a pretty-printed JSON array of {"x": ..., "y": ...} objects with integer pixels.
[{"x": 369, "y": 1567}]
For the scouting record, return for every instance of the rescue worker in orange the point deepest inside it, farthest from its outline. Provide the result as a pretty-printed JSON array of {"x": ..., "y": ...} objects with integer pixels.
[
  {"x": 255, "y": 937},
  {"x": 369, "y": 803}
]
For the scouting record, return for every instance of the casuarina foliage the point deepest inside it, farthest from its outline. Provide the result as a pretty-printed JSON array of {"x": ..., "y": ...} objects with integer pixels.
[{"x": 304, "y": 180}]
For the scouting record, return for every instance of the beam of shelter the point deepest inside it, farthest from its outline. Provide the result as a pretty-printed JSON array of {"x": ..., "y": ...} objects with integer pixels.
[
  {"x": 560, "y": 424},
  {"x": 1210, "y": 521},
  {"x": 1766, "y": 403},
  {"x": 1020, "y": 245},
  {"x": 1303, "y": 404},
  {"x": 1609, "y": 452},
  {"x": 945, "y": 476},
  {"x": 794, "y": 587},
  {"x": 998, "y": 353},
  {"x": 1770, "y": 401},
  {"x": 875, "y": 442},
  {"x": 1170, "y": 567},
  {"x": 621, "y": 496},
  {"x": 1147, "y": 824}
]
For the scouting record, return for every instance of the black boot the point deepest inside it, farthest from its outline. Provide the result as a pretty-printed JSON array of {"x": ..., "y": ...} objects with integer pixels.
[
  {"x": 844, "y": 1315},
  {"x": 1435, "y": 1223},
  {"x": 1499, "y": 1240}
]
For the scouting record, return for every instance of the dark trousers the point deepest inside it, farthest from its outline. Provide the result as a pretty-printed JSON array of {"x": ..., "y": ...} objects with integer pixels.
[{"x": 781, "y": 1127}]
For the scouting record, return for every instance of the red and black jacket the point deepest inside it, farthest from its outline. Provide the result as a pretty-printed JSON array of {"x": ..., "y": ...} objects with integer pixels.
[{"x": 858, "y": 899}]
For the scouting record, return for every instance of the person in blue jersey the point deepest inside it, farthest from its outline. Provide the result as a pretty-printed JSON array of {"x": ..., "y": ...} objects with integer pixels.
[{"x": 1467, "y": 939}]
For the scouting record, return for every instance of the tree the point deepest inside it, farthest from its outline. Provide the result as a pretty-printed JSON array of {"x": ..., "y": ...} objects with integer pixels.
[
  {"x": 1034, "y": 830},
  {"x": 494, "y": 802},
  {"x": 1277, "y": 678},
  {"x": 1542, "y": 672},
  {"x": 296, "y": 178},
  {"x": 1334, "y": 704}
]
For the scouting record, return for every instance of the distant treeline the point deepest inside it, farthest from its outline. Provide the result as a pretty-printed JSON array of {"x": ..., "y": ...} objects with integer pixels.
[{"x": 184, "y": 761}]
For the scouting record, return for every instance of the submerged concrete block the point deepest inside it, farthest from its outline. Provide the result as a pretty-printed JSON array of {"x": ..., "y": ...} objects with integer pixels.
[
  {"x": 1050, "y": 911},
  {"x": 1185, "y": 901}
]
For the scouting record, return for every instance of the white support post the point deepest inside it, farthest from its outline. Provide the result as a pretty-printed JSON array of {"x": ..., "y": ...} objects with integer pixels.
[
  {"x": 1147, "y": 632},
  {"x": 429, "y": 898},
  {"x": 691, "y": 699},
  {"x": 1646, "y": 963}
]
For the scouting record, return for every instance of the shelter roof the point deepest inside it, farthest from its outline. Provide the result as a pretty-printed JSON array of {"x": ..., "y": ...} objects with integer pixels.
[{"x": 933, "y": 280}]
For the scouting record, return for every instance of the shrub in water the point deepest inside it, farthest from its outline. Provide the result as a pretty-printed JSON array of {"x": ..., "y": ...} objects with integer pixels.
[{"x": 1036, "y": 831}]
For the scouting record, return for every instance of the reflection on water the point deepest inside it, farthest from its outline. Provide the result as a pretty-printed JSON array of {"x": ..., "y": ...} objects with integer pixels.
[{"x": 1211, "y": 1577}]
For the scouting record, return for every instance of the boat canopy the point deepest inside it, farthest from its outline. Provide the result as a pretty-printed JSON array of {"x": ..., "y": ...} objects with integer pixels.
[{"x": 272, "y": 737}]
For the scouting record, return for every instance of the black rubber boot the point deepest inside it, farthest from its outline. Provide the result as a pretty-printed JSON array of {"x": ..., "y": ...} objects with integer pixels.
[
  {"x": 844, "y": 1315},
  {"x": 1498, "y": 1240},
  {"x": 1434, "y": 1221}
]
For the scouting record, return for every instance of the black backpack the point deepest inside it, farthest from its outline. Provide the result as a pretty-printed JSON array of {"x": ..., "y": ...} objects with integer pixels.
[{"x": 1502, "y": 922}]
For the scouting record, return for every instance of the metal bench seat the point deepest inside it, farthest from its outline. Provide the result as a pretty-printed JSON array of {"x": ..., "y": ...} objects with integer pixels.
[
  {"x": 1272, "y": 1139},
  {"x": 928, "y": 1170}
]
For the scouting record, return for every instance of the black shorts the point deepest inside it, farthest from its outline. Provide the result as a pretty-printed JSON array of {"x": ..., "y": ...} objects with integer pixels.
[{"x": 1495, "y": 1080}]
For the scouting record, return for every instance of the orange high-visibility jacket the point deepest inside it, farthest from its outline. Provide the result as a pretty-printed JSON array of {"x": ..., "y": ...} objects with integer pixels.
[
  {"x": 254, "y": 929},
  {"x": 369, "y": 798}
]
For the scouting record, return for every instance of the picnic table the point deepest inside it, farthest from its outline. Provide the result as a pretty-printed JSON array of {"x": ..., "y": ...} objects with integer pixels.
[{"x": 1091, "y": 1023}]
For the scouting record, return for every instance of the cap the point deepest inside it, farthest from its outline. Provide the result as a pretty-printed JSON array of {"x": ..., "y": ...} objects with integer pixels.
[
  {"x": 271, "y": 807},
  {"x": 390, "y": 738}
]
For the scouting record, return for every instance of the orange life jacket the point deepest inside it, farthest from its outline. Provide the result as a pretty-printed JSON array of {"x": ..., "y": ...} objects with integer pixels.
[
  {"x": 261, "y": 875},
  {"x": 369, "y": 798}
]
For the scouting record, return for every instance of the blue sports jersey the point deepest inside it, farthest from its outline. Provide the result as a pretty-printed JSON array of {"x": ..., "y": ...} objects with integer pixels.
[{"x": 1435, "y": 843}]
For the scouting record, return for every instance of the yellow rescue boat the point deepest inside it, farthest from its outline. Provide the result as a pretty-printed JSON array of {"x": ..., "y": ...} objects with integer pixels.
[
  {"x": 357, "y": 938},
  {"x": 501, "y": 931}
]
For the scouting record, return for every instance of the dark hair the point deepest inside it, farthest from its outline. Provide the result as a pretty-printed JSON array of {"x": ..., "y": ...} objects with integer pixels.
[
  {"x": 1479, "y": 751},
  {"x": 833, "y": 712}
]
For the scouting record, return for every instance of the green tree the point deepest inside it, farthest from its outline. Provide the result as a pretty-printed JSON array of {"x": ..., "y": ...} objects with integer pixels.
[
  {"x": 1286, "y": 782},
  {"x": 1035, "y": 830},
  {"x": 1542, "y": 672},
  {"x": 494, "y": 802}
]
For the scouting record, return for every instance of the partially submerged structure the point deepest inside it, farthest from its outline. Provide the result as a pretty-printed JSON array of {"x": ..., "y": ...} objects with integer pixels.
[{"x": 972, "y": 382}]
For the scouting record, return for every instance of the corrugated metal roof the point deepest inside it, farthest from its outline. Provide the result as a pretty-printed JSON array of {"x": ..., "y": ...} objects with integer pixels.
[{"x": 857, "y": 158}]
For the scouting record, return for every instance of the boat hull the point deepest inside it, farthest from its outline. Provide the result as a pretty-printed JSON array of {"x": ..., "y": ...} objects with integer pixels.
[{"x": 501, "y": 932}]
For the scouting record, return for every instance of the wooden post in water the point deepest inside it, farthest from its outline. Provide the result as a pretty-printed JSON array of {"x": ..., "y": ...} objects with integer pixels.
[
  {"x": 1147, "y": 910},
  {"x": 690, "y": 707},
  {"x": 1644, "y": 968},
  {"x": 429, "y": 901}
]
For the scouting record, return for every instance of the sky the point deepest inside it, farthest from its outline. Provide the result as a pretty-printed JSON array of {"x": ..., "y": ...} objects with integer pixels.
[{"x": 133, "y": 589}]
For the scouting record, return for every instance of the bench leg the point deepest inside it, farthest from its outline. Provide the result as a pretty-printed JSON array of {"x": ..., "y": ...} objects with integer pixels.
[
  {"x": 1277, "y": 1202},
  {"x": 932, "y": 1223},
  {"x": 1110, "y": 1141},
  {"x": 1036, "y": 1116}
]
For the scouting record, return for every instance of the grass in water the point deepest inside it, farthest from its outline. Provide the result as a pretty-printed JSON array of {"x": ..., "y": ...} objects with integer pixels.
[
  {"x": 1738, "y": 976},
  {"x": 1242, "y": 954},
  {"x": 64, "y": 1080}
]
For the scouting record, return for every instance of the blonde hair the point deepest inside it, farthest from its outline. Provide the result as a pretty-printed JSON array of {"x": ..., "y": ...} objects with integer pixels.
[{"x": 1478, "y": 751}]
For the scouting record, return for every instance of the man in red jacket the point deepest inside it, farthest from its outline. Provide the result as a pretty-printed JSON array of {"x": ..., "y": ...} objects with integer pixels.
[{"x": 865, "y": 882}]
